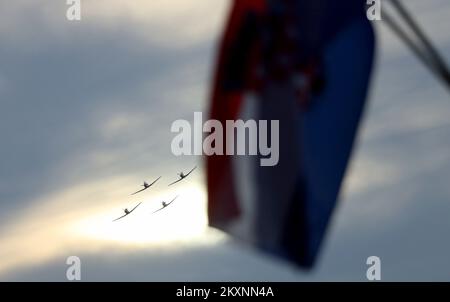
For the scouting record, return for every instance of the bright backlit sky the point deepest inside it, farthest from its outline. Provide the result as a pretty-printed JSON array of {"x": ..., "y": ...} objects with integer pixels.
[{"x": 86, "y": 110}]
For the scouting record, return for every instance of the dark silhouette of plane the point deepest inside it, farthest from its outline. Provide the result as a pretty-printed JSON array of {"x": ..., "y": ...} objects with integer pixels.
[
  {"x": 146, "y": 186},
  {"x": 127, "y": 212},
  {"x": 182, "y": 176},
  {"x": 165, "y": 204}
]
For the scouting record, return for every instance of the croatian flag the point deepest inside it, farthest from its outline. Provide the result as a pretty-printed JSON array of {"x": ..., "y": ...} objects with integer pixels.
[{"x": 306, "y": 64}]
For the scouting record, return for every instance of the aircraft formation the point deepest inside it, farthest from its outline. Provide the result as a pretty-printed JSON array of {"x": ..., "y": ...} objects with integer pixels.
[{"x": 145, "y": 186}]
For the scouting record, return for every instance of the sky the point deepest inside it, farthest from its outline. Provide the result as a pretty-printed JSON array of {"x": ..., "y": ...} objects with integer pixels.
[{"x": 86, "y": 110}]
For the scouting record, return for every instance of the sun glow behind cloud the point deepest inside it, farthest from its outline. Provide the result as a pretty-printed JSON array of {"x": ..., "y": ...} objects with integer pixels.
[
  {"x": 80, "y": 219},
  {"x": 184, "y": 219}
]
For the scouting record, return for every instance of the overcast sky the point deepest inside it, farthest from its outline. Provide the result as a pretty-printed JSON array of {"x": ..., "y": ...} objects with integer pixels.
[{"x": 86, "y": 110}]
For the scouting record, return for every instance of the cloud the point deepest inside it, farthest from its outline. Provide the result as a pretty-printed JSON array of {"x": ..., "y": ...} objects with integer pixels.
[
  {"x": 221, "y": 260},
  {"x": 86, "y": 114},
  {"x": 176, "y": 24}
]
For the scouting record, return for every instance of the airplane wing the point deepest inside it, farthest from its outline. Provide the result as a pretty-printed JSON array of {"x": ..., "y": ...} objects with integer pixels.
[
  {"x": 190, "y": 171},
  {"x": 153, "y": 182},
  {"x": 139, "y": 191},
  {"x": 120, "y": 217},
  {"x": 172, "y": 201},
  {"x": 158, "y": 210},
  {"x": 134, "y": 208},
  {"x": 176, "y": 181}
]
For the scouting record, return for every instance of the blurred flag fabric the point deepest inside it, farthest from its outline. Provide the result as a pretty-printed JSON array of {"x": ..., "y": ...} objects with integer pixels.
[{"x": 308, "y": 65}]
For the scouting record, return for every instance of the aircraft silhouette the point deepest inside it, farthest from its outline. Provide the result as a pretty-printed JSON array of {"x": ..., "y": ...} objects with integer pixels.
[
  {"x": 182, "y": 176},
  {"x": 146, "y": 186},
  {"x": 165, "y": 204},
  {"x": 127, "y": 212}
]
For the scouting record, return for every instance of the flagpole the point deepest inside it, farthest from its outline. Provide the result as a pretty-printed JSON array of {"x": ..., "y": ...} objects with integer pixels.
[{"x": 426, "y": 52}]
